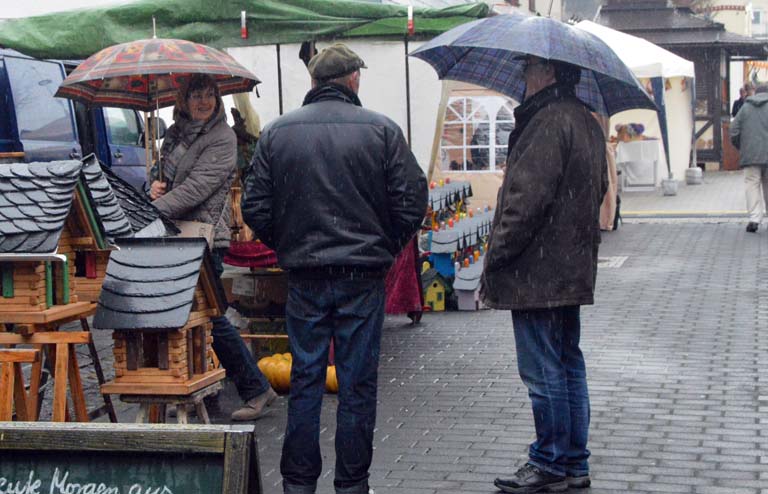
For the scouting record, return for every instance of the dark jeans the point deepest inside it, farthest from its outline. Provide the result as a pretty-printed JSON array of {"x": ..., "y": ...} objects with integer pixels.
[
  {"x": 232, "y": 352},
  {"x": 552, "y": 367},
  {"x": 351, "y": 312}
]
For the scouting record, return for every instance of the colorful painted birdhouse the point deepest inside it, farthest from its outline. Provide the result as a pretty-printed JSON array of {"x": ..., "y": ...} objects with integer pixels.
[
  {"x": 435, "y": 290},
  {"x": 158, "y": 297}
]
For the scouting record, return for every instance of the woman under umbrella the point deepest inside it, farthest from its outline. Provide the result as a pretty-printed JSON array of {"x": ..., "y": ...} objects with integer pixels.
[{"x": 198, "y": 166}]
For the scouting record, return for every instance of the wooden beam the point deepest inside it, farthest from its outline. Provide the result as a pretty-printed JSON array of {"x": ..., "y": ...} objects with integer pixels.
[{"x": 46, "y": 338}]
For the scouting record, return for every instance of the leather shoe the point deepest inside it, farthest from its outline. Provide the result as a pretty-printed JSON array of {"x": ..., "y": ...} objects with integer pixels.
[
  {"x": 530, "y": 479},
  {"x": 255, "y": 407},
  {"x": 752, "y": 227},
  {"x": 578, "y": 482}
]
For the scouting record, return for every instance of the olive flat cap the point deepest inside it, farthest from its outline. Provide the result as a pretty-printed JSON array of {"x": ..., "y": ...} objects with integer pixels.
[{"x": 335, "y": 61}]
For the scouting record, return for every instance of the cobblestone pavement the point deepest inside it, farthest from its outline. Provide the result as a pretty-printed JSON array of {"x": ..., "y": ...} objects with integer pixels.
[{"x": 676, "y": 350}]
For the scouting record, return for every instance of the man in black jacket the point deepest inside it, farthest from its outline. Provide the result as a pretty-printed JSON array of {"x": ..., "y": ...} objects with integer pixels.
[
  {"x": 334, "y": 189},
  {"x": 542, "y": 264}
]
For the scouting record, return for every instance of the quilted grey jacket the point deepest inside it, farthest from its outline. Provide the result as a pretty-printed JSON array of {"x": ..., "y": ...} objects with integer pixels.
[
  {"x": 749, "y": 131},
  {"x": 202, "y": 179}
]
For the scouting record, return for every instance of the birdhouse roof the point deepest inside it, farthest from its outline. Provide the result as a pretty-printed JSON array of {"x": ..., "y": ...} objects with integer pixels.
[
  {"x": 468, "y": 278},
  {"x": 150, "y": 284},
  {"x": 35, "y": 200},
  {"x": 468, "y": 230},
  {"x": 108, "y": 208},
  {"x": 448, "y": 194},
  {"x": 145, "y": 219},
  {"x": 431, "y": 275}
]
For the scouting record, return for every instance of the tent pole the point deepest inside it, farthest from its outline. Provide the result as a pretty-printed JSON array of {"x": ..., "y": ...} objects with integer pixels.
[
  {"x": 407, "y": 92},
  {"x": 657, "y": 83},
  {"x": 279, "y": 80}
]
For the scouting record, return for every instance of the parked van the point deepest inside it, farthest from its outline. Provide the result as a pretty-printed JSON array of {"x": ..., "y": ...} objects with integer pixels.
[{"x": 36, "y": 126}]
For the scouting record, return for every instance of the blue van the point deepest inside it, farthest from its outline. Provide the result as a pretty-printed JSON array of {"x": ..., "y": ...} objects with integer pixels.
[{"x": 35, "y": 126}]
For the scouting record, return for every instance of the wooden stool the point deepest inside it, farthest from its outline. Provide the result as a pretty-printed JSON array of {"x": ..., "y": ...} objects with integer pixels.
[
  {"x": 153, "y": 407},
  {"x": 61, "y": 351},
  {"x": 12, "y": 382}
]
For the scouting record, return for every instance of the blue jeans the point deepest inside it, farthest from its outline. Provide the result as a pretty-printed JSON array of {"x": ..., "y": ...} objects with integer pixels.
[
  {"x": 552, "y": 367},
  {"x": 233, "y": 354},
  {"x": 351, "y": 312}
]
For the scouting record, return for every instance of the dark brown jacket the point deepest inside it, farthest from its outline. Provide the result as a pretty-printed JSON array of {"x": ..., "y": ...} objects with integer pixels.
[{"x": 542, "y": 252}]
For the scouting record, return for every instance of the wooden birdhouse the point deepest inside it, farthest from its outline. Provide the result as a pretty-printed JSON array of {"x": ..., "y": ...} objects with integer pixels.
[
  {"x": 91, "y": 263},
  {"x": 466, "y": 286},
  {"x": 435, "y": 290},
  {"x": 45, "y": 215},
  {"x": 159, "y": 295},
  {"x": 123, "y": 212}
]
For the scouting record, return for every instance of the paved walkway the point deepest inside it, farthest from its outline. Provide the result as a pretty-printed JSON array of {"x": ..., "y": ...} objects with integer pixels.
[
  {"x": 676, "y": 349},
  {"x": 720, "y": 195}
]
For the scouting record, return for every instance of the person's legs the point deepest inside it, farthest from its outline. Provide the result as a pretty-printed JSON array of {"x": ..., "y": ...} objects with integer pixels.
[
  {"x": 359, "y": 317},
  {"x": 577, "y": 455},
  {"x": 539, "y": 342},
  {"x": 232, "y": 352},
  {"x": 752, "y": 181},
  {"x": 764, "y": 189},
  {"x": 309, "y": 321}
]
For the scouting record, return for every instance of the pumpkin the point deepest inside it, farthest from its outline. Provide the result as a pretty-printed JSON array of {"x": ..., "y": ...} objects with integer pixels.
[
  {"x": 277, "y": 370},
  {"x": 331, "y": 383}
]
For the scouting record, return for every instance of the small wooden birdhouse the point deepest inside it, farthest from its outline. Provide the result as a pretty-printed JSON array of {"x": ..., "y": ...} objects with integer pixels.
[
  {"x": 45, "y": 215},
  {"x": 435, "y": 289},
  {"x": 91, "y": 263},
  {"x": 466, "y": 286},
  {"x": 159, "y": 295}
]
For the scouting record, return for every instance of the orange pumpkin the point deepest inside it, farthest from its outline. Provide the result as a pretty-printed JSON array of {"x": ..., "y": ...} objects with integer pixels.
[
  {"x": 331, "y": 383},
  {"x": 277, "y": 370}
]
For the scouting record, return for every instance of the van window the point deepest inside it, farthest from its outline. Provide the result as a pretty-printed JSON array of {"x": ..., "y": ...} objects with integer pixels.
[
  {"x": 39, "y": 116},
  {"x": 122, "y": 126}
]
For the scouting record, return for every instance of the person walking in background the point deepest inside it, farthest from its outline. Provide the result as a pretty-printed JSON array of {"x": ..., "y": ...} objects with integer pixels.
[
  {"x": 749, "y": 134},
  {"x": 745, "y": 91},
  {"x": 199, "y": 155},
  {"x": 542, "y": 264},
  {"x": 334, "y": 189}
]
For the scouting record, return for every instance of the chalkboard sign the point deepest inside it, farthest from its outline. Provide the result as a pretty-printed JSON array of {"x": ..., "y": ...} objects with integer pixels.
[{"x": 37, "y": 458}]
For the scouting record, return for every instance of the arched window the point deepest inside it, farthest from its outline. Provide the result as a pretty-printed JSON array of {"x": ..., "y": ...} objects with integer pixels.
[{"x": 475, "y": 133}]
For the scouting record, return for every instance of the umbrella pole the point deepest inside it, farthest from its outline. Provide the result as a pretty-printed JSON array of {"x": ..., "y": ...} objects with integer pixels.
[{"x": 147, "y": 157}]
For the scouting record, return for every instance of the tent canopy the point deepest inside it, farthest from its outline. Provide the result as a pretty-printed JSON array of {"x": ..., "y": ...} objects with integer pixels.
[
  {"x": 642, "y": 57},
  {"x": 80, "y": 33}
]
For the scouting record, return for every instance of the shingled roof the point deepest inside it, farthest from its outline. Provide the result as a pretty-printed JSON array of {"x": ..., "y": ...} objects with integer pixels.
[
  {"x": 150, "y": 283},
  {"x": 464, "y": 233},
  {"x": 35, "y": 199},
  {"x": 468, "y": 278},
  {"x": 449, "y": 194},
  {"x": 108, "y": 208},
  {"x": 145, "y": 219}
]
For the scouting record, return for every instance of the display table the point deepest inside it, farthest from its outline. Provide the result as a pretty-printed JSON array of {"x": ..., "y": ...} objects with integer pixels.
[{"x": 638, "y": 162}]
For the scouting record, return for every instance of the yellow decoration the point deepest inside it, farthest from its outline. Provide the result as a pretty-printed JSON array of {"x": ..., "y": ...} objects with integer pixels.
[
  {"x": 425, "y": 266},
  {"x": 331, "y": 383}
]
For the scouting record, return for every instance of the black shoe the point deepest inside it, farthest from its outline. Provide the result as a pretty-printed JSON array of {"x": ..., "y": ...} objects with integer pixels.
[
  {"x": 529, "y": 479},
  {"x": 752, "y": 227},
  {"x": 578, "y": 482}
]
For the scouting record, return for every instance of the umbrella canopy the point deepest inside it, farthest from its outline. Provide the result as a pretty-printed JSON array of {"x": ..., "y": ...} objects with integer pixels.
[
  {"x": 488, "y": 53},
  {"x": 147, "y": 74}
]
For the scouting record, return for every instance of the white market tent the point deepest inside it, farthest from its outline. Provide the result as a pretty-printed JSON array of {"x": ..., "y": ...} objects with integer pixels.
[{"x": 648, "y": 61}]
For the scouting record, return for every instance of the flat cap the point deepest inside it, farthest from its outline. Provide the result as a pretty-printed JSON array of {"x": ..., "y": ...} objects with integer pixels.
[{"x": 335, "y": 61}]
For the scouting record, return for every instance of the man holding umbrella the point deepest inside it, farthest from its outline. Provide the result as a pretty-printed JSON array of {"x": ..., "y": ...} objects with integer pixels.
[{"x": 542, "y": 263}]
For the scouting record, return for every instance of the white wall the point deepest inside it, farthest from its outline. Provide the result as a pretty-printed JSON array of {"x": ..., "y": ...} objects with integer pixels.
[
  {"x": 382, "y": 86},
  {"x": 679, "y": 125}
]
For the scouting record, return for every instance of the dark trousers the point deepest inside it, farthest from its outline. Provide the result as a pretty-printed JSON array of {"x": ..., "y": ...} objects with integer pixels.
[
  {"x": 233, "y": 353},
  {"x": 552, "y": 366},
  {"x": 351, "y": 312}
]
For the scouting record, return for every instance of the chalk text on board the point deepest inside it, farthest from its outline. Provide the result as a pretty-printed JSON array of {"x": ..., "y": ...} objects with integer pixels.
[{"x": 60, "y": 484}]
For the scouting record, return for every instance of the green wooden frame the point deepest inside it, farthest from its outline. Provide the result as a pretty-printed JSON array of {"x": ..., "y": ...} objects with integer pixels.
[
  {"x": 234, "y": 445},
  {"x": 6, "y": 279}
]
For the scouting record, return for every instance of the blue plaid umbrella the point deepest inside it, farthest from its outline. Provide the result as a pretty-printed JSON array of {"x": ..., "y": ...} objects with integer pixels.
[{"x": 488, "y": 52}]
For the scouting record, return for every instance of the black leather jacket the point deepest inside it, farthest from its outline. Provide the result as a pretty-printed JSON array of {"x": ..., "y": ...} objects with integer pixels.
[{"x": 334, "y": 185}]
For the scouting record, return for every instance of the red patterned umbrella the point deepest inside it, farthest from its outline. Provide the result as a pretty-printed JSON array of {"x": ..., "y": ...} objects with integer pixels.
[{"x": 146, "y": 74}]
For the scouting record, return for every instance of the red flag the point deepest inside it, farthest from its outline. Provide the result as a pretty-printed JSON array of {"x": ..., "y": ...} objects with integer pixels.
[{"x": 411, "y": 26}]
